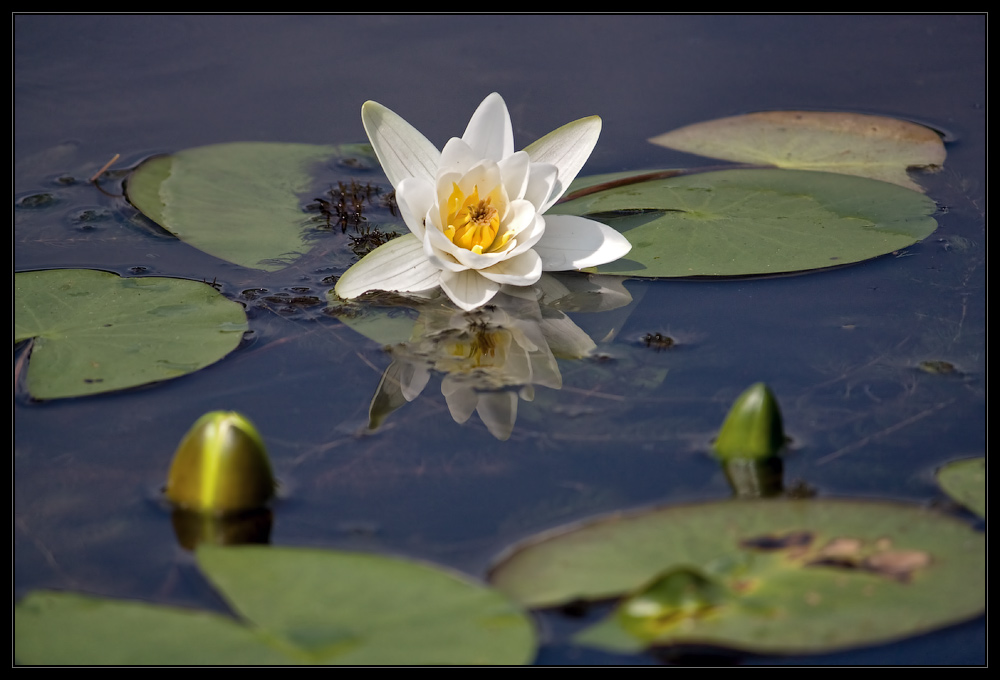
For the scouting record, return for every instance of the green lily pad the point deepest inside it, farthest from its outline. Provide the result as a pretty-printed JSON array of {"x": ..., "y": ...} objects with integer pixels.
[
  {"x": 298, "y": 606},
  {"x": 766, "y": 576},
  {"x": 965, "y": 481},
  {"x": 358, "y": 608},
  {"x": 850, "y": 143},
  {"x": 752, "y": 222},
  {"x": 95, "y": 331},
  {"x": 242, "y": 202},
  {"x": 58, "y": 629}
]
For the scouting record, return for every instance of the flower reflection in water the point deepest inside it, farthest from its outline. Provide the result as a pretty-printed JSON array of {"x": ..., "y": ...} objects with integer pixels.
[{"x": 495, "y": 355}]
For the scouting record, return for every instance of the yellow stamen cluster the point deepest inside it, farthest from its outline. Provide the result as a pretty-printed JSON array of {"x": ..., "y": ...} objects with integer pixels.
[{"x": 473, "y": 223}]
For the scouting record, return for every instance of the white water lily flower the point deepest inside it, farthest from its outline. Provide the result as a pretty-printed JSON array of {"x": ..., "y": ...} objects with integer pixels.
[{"x": 475, "y": 209}]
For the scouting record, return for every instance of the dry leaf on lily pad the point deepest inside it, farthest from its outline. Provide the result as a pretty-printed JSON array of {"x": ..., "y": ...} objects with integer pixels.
[
  {"x": 877, "y": 147},
  {"x": 802, "y": 576}
]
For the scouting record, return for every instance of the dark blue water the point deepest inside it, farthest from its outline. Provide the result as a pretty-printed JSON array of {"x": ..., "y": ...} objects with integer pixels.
[{"x": 840, "y": 348}]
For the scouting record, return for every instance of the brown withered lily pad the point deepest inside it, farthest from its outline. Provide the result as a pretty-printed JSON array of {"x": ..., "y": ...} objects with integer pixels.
[{"x": 877, "y": 147}]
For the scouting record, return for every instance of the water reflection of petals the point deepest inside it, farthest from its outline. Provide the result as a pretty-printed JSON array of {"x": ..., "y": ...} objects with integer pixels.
[{"x": 489, "y": 357}]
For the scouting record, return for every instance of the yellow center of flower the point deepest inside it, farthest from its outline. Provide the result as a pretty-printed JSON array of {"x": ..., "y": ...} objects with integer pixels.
[{"x": 473, "y": 223}]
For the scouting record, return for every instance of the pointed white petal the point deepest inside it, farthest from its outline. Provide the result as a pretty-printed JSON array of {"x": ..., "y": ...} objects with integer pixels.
[
  {"x": 471, "y": 260},
  {"x": 572, "y": 242},
  {"x": 485, "y": 174},
  {"x": 522, "y": 270},
  {"x": 514, "y": 171},
  {"x": 457, "y": 156},
  {"x": 468, "y": 289},
  {"x": 541, "y": 184},
  {"x": 415, "y": 198},
  {"x": 521, "y": 216},
  {"x": 399, "y": 265},
  {"x": 442, "y": 252},
  {"x": 401, "y": 149},
  {"x": 490, "y": 133},
  {"x": 568, "y": 148},
  {"x": 529, "y": 236}
]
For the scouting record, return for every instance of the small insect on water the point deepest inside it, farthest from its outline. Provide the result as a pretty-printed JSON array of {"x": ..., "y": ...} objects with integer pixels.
[{"x": 658, "y": 341}]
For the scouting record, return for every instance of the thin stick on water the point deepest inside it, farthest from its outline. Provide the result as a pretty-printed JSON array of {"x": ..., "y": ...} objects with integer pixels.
[{"x": 106, "y": 166}]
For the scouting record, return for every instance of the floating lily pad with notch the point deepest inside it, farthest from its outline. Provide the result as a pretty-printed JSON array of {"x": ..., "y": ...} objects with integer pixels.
[
  {"x": 242, "y": 202},
  {"x": 95, "y": 331},
  {"x": 753, "y": 222},
  {"x": 765, "y": 576},
  {"x": 297, "y": 606}
]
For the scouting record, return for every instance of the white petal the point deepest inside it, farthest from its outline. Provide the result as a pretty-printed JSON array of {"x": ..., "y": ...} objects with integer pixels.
[
  {"x": 401, "y": 149},
  {"x": 521, "y": 216},
  {"x": 490, "y": 133},
  {"x": 415, "y": 198},
  {"x": 522, "y": 270},
  {"x": 568, "y": 148},
  {"x": 468, "y": 289},
  {"x": 541, "y": 184},
  {"x": 456, "y": 156},
  {"x": 399, "y": 265},
  {"x": 471, "y": 260},
  {"x": 442, "y": 252},
  {"x": 485, "y": 174},
  {"x": 514, "y": 172},
  {"x": 572, "y": 242},
  {"x": 529, "y": 236}
]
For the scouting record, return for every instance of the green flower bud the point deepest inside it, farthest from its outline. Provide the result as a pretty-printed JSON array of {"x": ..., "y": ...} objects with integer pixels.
[
  {"x": 221, "y": 466},
  {"x": 753, "y": 429},
  {"x": 672, "y": 599}
]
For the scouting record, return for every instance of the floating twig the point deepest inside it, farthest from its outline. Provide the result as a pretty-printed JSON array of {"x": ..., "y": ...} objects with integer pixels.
[{"x": 106, "y": 166}]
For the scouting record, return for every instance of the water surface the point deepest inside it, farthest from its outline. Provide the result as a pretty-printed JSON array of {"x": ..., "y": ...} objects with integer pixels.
[{"x": 840, "y": 348}]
